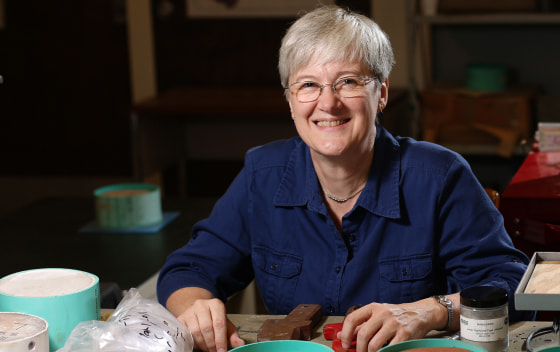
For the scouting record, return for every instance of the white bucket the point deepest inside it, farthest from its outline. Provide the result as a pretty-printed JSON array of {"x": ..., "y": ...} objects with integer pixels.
[{"x": 23, "y": 333}]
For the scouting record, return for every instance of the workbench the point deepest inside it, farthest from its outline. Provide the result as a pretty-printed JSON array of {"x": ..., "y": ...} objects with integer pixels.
[{"x": 248, "y": 325}]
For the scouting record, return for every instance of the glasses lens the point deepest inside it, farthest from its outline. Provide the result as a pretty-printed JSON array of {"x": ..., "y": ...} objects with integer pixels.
[
  {"x": 306, "y": 91},
  {"x": 349, "y": 87}
]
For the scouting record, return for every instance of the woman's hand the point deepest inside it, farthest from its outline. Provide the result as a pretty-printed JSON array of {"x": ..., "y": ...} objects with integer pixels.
[
  {"x": 376, "y": 324},
  {"x": 206, "y": 319},
  {"x": 211, "y": 329}
]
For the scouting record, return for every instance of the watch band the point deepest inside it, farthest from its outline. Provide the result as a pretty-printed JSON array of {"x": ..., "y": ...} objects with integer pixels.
[{"x": 446, "y": 302}]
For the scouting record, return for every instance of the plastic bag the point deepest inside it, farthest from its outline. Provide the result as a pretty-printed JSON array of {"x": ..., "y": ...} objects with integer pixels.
[{"x": 137, "y": 324}]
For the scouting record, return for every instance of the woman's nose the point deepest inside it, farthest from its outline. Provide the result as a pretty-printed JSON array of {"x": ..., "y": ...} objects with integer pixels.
[{"x": 329, "y": 99}]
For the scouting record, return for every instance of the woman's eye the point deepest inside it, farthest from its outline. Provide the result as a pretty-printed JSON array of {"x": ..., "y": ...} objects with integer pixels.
[
  {"x": 349, "y": 81},
  {"x": 309, "y": 85}
]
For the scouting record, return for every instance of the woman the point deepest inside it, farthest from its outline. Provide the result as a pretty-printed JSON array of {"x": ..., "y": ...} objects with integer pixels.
[{"x": 345, "y": 214}]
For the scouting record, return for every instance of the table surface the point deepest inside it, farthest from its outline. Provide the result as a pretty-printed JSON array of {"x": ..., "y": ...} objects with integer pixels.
[
  {"x": 248, "y": 326},
  {"x": 46, "y": 234}
]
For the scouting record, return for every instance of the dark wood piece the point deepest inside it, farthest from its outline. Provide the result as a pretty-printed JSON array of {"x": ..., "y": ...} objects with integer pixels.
[{"x": 298, "y": 325}]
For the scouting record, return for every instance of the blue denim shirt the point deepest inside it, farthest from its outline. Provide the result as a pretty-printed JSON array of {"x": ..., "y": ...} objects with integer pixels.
[{"x": 422, "y": 226}]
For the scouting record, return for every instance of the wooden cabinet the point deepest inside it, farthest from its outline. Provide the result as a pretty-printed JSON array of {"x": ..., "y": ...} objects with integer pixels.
[{"x": 444, "y": 44}]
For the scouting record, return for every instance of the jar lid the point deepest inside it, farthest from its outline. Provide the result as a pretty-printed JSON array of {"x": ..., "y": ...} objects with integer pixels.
[{"x": 484, "y": 297}]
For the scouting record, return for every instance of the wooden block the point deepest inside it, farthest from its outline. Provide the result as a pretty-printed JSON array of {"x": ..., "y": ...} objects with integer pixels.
[{"x": 298, "y": 325}]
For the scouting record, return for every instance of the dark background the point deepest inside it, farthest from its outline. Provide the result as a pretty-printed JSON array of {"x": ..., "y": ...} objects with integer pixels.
[{"x": 66, "y": 95}]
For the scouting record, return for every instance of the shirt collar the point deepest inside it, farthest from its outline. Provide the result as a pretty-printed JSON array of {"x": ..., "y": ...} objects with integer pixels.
[
  {"x": 299, "y": 185},
  {"x": 295, "y": 188},
  {"x": 381, "y": 195}
]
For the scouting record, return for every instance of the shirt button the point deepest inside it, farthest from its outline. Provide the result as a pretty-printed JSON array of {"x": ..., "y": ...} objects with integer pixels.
[
  {"x": 330, "y": 309},
  {"x": 274, "y": 266},
  {"x": 338, "y": 269},
  {"x": 352, "y": 237}
]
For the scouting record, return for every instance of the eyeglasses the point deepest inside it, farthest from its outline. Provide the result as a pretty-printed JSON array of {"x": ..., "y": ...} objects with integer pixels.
[{"x": 345, "y": 87}]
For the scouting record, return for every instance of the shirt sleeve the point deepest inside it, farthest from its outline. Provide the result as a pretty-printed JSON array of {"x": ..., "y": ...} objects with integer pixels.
[
  {"x": 216, "y": 257},
  {"x": 474, "y": 245}
]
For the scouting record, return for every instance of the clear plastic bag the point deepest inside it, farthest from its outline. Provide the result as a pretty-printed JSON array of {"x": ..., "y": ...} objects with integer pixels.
[{"x": 137, "y": 324}]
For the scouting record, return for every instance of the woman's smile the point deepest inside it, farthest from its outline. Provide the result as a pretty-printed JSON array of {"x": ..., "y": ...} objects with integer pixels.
[{"x": 331, "y": 123}]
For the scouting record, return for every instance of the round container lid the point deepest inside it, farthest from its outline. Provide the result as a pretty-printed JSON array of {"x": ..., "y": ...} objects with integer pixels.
[
  {"x": 432, "y": 343},
  {"x": 47, "y": 282},
  {"x": 484, "y": 297},
  {"x": 283, "y": 346}
]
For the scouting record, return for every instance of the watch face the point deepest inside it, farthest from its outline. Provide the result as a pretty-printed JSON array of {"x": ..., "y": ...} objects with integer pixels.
[{"x": 443, "y": 300}]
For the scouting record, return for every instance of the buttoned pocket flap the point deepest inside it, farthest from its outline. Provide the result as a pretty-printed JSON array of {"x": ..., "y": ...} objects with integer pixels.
[
  {"x": 406, "y": 269},
  {"x": 277, "y": 263}
]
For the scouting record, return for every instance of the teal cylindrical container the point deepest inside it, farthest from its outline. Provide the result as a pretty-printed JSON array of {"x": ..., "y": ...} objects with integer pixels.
[
  {"x": 128, "y": 205},
  {"x": 283, "y": 346},
  {"x": 432, "y": 344},
  {"x": 486, "y": 77},
  {"x": 63, "y": 297}
]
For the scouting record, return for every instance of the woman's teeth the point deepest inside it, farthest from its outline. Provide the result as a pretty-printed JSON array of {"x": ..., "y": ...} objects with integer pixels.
[{"x": 331, "y": 123}]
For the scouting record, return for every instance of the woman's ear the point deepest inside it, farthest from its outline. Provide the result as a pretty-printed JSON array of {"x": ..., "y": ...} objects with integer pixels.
[
  {"x": 291, "y": 109},
  {"x": 384, "y": 94}
]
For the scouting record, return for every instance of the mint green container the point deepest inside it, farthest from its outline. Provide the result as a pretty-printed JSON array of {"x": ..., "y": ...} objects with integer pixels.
[
  {"x": 128, "y": 205},
  {"x": 432, "y": 342},
  {"x": 63, "y": 297},
  {"x": 283, "y": 346},
  {"x": 486, "y": 77}
]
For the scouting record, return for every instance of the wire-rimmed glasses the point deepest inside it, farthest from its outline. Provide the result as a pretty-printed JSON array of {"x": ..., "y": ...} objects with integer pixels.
[{"x": 346, "y": 87}]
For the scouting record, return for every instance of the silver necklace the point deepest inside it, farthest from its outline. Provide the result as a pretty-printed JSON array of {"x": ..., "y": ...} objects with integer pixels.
[{"x": 338, "y": 200}]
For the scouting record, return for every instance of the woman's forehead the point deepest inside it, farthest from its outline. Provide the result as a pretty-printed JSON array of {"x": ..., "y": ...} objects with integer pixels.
[{"x": 334, "y": 68}]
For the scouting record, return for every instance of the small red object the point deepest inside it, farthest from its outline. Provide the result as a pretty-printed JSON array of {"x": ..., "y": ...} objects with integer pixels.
[
  {"x": 337, "y": 346},
  {"x": 330, "y": 331}
]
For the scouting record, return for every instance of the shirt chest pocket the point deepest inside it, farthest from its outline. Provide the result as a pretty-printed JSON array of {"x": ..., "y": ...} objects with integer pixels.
[
  {"x": 277, "y": 275},
  {"x": 405, "y": 279},
  {"x": 277, "y": 264}
]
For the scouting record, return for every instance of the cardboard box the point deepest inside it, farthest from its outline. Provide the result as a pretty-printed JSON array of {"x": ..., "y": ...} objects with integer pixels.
[{"x": 455, "y": 116}]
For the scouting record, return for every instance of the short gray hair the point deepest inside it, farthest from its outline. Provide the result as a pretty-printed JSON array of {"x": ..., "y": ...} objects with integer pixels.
[{"x": 331, "y": 33}]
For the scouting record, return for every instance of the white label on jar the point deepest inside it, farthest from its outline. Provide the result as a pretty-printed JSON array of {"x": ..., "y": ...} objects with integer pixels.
[{"x": 484, "y": 330}]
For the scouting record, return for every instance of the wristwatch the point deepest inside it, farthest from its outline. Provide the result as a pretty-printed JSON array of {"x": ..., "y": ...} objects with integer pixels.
[{"x": 446, "y": 302}]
